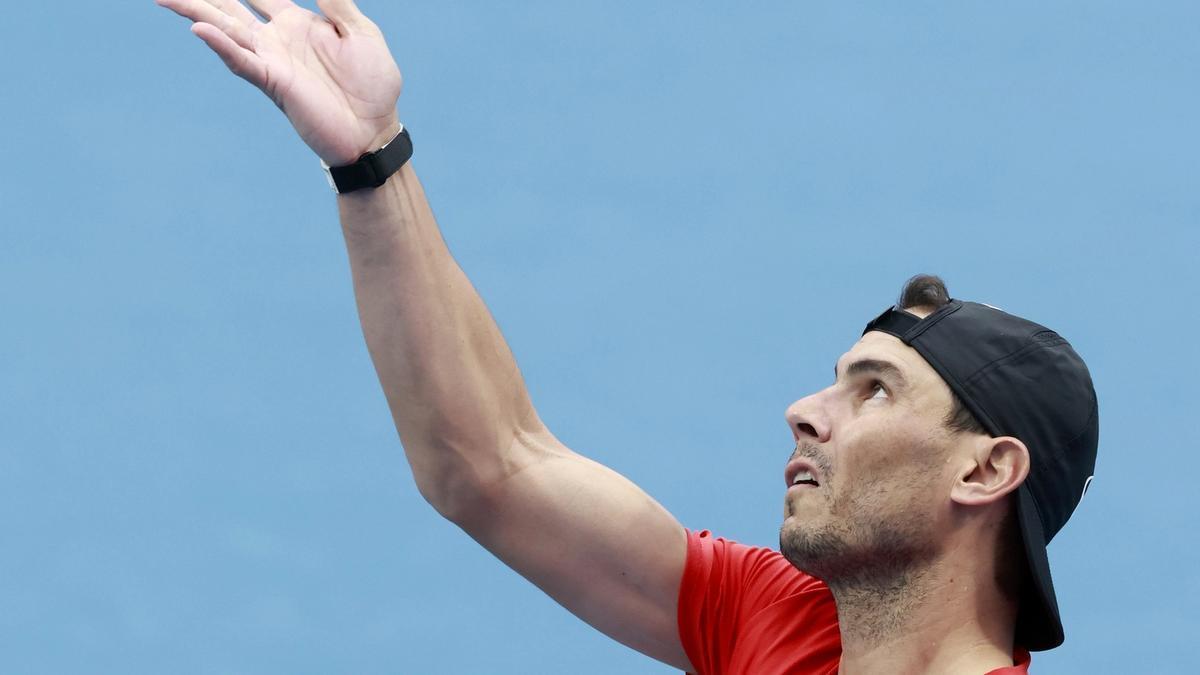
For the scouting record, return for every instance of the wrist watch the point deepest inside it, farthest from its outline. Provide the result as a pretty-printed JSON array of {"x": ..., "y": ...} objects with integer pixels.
[{"x": 372, "y": 169}]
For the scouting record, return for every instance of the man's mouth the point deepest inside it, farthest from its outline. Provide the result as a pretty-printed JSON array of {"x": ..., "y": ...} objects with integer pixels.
[
  {"x": 801, "y": 472},
  {"x": 805, "y": 478}
]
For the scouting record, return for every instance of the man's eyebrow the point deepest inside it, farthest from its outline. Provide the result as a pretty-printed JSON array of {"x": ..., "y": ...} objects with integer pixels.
[{"x": 876, "y": 366}]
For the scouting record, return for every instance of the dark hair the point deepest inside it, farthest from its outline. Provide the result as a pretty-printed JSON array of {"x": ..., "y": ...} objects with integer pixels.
[
  {"x": 924, "y": 290},
  {"x": 929, "y": 291}
]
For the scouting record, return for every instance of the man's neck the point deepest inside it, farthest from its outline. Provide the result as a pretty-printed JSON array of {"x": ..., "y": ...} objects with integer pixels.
[{"x": 939, "y": 619}]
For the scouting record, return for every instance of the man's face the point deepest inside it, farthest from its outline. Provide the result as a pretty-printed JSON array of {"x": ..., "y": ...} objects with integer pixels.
[{"x": 877, "y": 447}]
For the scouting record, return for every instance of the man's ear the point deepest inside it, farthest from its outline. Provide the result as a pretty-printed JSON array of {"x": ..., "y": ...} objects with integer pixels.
[{"x": 995, "y": 468}]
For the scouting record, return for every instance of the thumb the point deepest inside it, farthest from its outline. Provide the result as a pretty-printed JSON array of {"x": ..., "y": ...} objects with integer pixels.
[{"x": 345, "y": 16}]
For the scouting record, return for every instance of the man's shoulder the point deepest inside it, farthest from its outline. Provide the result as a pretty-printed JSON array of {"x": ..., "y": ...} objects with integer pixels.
[
  {"x": 747, "y": 609},
  {"x": 749, "y": 566},
  {"x": 745, "y": 581}
]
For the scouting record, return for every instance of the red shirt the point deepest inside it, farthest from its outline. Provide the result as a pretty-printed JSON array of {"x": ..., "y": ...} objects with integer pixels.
[{"x": 748, "y": 611}]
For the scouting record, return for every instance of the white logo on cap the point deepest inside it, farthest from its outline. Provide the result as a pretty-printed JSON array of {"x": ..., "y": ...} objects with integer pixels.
[{"x": 1086, "y": 484}]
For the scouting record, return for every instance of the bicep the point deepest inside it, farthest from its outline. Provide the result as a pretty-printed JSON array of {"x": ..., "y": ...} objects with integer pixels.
[{"x": 590, "y": 539}]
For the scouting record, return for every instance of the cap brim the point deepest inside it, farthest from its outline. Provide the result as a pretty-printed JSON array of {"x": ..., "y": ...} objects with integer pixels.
[{"x": 1039, "y": 626}]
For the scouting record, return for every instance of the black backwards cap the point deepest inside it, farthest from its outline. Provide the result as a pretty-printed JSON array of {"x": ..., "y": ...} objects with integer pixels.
[{"x": 1023, "y": 380}]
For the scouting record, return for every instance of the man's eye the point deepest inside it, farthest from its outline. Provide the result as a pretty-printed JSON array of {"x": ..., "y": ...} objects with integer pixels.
[{"x": 877, "y": 391}]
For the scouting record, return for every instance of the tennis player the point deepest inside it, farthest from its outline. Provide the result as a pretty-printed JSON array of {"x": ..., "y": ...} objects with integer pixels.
[{"x": 954, "y": 441}]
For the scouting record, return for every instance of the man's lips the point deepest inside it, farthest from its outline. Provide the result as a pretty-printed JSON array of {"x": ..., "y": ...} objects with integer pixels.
[{"x": 795, "y": 468}]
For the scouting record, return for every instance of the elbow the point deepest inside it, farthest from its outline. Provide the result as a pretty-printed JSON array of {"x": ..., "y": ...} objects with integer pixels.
[
  {"x": 466, "y": 487},
  {"x": 450, "y": 493},
  {"x": 456, "y": 483}
]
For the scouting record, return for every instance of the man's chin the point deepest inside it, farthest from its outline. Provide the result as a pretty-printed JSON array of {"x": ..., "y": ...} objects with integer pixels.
[{"x": 808, "y": 545}]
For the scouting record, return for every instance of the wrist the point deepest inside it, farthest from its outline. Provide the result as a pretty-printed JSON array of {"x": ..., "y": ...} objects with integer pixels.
[
  {"x": 391, "y": 150},
  {"x": 349, "y": 154},
  {"x": 387, "y": 133}
]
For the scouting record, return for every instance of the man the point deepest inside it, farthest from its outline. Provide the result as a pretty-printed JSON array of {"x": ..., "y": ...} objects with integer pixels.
[{"x": 926, "y": 480}]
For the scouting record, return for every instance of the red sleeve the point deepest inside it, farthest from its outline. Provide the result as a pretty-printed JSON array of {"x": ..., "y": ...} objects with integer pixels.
[{"x": 725, "y": 589}]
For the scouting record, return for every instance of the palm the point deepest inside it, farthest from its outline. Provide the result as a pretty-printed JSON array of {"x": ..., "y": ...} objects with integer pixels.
[
  {"x": 337, "y": 85},
  {"x": 336, "y": 91}
]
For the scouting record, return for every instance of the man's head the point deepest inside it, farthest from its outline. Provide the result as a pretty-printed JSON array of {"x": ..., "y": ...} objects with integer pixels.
[{"x": 923, "y": 442}]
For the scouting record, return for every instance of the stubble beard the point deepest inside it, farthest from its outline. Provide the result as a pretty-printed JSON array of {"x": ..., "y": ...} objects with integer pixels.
[
  {"x": 873, "y": 557},
  {"x": 861, "y": 545}
]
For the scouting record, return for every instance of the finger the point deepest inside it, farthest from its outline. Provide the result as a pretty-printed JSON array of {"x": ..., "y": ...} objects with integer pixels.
[
  {"x": 237, "y": 10},
  {"x": 345, "y": 15},
  {"x": 200, "y": 11},
  {"x": 242, "y": 62},
  {"x": 269, "y": 8}
]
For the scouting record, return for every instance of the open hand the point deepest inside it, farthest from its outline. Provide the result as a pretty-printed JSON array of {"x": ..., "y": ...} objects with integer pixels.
[{"x": 331, "y": 74}]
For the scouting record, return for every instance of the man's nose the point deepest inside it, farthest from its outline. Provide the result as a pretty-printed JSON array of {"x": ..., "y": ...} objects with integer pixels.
[{"x": 808, "y": 419}]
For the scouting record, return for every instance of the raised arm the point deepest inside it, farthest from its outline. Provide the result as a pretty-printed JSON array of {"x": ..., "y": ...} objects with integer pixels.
[{"x": 479, "y": 453}]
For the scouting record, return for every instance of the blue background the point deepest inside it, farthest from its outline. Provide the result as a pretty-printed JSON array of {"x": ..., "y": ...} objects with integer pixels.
[{"x": 680, "y": 213}]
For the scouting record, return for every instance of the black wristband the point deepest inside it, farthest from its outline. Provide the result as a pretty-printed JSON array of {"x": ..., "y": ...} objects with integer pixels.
[{"x": 373, "y": 168}]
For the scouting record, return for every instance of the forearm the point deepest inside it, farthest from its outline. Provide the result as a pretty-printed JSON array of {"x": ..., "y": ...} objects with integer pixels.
[{"x": 456, "y": 395}]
